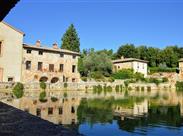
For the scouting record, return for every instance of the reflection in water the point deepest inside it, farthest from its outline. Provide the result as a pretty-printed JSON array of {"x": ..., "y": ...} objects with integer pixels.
[{"x": 136, "y": 114}]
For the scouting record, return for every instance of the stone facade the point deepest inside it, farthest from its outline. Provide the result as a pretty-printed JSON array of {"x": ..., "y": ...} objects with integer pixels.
[
  {"x": 131, "y": 63},
  {"x": 10, "y": 53},
  {"x": 49, "y": 64}
]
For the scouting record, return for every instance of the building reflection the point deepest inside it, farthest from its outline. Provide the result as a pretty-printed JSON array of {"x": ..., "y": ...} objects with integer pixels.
[
  {"x": 63, "y": 111},
  {"x": 130, "y": 112}
]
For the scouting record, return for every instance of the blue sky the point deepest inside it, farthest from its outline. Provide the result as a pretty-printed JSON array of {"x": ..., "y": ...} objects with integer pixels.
[{"x": 101, "y": 23}]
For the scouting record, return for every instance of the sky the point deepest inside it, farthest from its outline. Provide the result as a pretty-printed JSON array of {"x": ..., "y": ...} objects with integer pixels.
[{"x": 101, "y": 24}]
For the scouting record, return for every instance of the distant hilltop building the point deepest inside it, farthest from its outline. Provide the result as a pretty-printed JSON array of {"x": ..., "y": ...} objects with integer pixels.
[
  {"x": 137, "y": 65},
  {"x": 33, "y": 63}
]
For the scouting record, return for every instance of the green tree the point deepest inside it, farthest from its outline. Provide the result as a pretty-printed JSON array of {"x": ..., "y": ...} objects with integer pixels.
[
  {"x": 70, "y": 40},
  {"x": 170, "y": 56},
  {"x": 95, "y": 64},
  {"x": 153, "y": 56},
  {"x": 81, "y": 68},
  {"x": 127, "y": 51},
  {"x": 142, "y": 52}
]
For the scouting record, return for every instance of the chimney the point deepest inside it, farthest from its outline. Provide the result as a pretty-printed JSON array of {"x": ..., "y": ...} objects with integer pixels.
[
  {"x": 38, "y": 43},
  {"x": 55, "y": 46}
]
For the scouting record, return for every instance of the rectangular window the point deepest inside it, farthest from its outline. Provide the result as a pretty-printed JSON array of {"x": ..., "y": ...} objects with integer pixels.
[
  {"x": 29, "y": 51},
  {"x": 40, "y": 66},
  {"x": 61, "y": 55},
  {"x": 1, "y": 50},
  {"x": 50, "y": 111},
  {"x": 73, "y": 80},
  {"x": 51, "y": 67},
  {"x": 73, "y": 68},
  {"x": 60, "y": 110},
  {"x": 40, "y": 52},
  {"x": 28, "y": 65},
  {"x": 74, "y": 56},
  {"x": 38, "y": 112},
  {"x": 10, "y": 79},
  {"x": 61, "y": 68}
]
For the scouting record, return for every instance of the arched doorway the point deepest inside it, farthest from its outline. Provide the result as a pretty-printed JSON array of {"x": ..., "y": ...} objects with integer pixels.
[
  {"x": 54, "y": 79},
  {"x": 43, "y": 79}
]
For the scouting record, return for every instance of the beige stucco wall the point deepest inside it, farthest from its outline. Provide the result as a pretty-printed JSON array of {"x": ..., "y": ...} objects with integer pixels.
[
  {"x": 49, "y": 58},
  {"x": 140, "y": 67},
  {"x": 11, "y": 58}
]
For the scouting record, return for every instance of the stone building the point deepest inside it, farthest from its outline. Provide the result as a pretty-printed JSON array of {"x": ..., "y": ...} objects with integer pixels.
[
  {"x": 131, "y": 63},
  {"x": 32, "y": 63},
  {"x": 49, "y": 64},
  {"x": 11, "y": 46}
]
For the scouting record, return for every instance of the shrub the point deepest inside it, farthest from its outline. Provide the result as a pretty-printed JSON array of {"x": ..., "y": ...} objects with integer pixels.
[
  {"x": 97, "y": 75},
  {"x": 111, "y": 79},
  {"x": 18, "y": 90},
  {"x": 127, "y": 82},
  {"x": 65, "y": 85},
  {"x": 139, "y": 76},
  {"x": 123, "y": 74},
  {"x": 65, "y": 94},
  {"x": 43, "y": 85},
  {"x": 154, "y": 80},
  {"x": 54, "y": 99},
  {"x": 84, "y": 79},
  {"x": 161, "y": 69},
  {"x": 42, "y": 96}
]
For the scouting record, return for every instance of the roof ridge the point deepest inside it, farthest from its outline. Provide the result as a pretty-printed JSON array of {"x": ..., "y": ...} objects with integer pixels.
[
  {"x": 5, "y": 23},
  {"x": 49, "y": 48}
]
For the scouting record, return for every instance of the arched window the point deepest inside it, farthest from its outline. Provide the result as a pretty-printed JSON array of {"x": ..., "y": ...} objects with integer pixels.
[
  {"x": 43, "y": 79},
  {"x": 54, "y": 79}
]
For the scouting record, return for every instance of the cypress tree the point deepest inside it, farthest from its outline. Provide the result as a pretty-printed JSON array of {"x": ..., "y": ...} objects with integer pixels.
[{"x": 70, "y": 40}]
